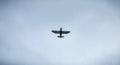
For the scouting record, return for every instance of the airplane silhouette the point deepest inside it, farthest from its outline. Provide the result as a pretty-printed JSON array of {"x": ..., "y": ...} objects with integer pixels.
[{"x": 60, "y": 32}]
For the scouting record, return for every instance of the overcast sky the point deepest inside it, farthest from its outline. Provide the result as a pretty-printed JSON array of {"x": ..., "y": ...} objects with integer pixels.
[{"x": 26, "y": 37}]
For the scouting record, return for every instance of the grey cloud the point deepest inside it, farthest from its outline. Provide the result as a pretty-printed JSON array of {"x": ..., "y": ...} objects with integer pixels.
[{"x": 26, "y": 36}]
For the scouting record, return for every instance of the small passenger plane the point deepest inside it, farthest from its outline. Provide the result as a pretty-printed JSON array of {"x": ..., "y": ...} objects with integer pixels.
[{"x": 60, "y": 32}]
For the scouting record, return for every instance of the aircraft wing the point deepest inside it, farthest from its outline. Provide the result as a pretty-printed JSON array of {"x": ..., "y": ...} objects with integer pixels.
[
  {"x": 65, "y": 32},
  {"x": 56, "y": 31}
]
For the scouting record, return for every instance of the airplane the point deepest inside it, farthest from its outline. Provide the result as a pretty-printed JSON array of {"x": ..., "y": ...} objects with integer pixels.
[{"x": 60, "y": 32}]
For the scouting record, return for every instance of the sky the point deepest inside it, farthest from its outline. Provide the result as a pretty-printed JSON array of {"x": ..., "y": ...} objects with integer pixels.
[{"x": 26, "y": 37}]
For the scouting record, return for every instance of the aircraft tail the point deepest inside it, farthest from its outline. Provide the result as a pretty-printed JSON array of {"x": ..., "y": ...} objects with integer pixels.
[{"x": 60, "y": 36}]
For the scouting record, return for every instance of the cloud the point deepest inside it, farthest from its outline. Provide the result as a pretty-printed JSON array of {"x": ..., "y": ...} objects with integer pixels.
[{"x": 26, "y": 36}]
